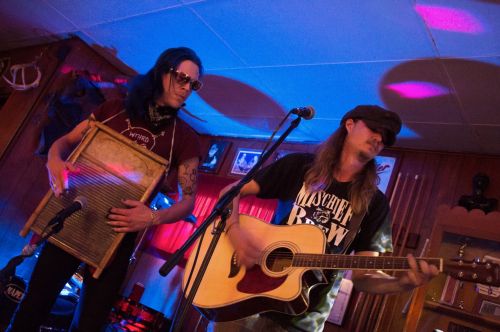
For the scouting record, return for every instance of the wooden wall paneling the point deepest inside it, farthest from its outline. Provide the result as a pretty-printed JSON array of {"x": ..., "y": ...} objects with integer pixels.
[
  {"x": 472, "y": 166},
  {"x": 455, "y": 220},
  {"x": 403, "y": 218},
  {"x": 398, "y": 201},
  {"x": 26, "y": 145},
  {"x": 23, "y": 172},
  {"x": 20, "y": 103},
  {"x": 463, "y": 183},
  {"x": 392, "y": 305},
  {"x": 493, "y": 171},
  {"x": 423, "y": 163},
  {"x": 16, "y": 165},
  {"x": 378, "y": 302},
  {"x": 441, "y": 187},
  {"x": 397, "y": 184},
  {"x": 446, "y": 181},
  {"x": 411, "y": 225},
  {"x": 427, "y": 173},
  {"x": 440, "y": 173},
  {"x": 363, "y": 315}
]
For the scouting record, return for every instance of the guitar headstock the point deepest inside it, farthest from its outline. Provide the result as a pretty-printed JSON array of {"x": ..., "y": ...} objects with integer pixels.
[{"x": 487, "y": 273}]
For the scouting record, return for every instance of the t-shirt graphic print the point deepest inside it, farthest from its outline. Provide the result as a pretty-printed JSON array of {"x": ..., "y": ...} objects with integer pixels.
[{"x": 325, "y": 210}]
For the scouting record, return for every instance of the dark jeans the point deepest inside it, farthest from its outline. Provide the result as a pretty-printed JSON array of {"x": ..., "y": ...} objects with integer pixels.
[{"x": 52, "y": 271}]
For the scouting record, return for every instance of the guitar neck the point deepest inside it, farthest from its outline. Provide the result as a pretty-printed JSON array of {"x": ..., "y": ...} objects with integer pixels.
[{"x": 349, "y": 262}]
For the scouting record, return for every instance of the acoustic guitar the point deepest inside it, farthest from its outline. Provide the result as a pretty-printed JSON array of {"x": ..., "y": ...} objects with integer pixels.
[{"x": 288, "y": 270}]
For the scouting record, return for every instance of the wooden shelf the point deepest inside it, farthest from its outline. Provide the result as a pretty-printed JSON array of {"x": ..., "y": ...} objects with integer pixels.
[{"x": 461, "y": 314}]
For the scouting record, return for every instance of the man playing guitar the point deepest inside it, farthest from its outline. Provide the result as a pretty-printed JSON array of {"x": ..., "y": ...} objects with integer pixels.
[{"x": 336, "y": 190}]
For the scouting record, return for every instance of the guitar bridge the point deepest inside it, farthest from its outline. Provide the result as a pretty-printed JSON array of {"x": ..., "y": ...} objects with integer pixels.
[{"x": 234, "y": 268}]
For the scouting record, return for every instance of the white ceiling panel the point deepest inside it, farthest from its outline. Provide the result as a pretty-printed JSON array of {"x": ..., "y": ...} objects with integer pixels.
[
  {"x": 284, "y": 32},
  {"x": 27, "y": 20},
  {"x": 88, "y": 13},
  {"x": 163, "y": 29},
  {"x": 462, "y": 28},
  {"x": 434, "y": 62}
]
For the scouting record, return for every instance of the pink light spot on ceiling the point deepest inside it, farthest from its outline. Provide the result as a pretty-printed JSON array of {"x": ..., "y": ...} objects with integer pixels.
[
  {"x": 449, "y": 19},
  {"x": 417, "y": 90}
]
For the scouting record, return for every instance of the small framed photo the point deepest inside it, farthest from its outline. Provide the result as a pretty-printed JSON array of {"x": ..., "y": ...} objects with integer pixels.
[
  {"x": 385, "y": 168},
  {"x": 245, "y": 159},
  {"x": 490, "y": 308},
  {"x": 217, "y": 150}
]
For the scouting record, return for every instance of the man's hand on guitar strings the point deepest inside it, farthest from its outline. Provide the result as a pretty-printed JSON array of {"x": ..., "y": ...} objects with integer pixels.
[
  {"x": 420, "y": 273},
  {"x": 248, "y": 248}
]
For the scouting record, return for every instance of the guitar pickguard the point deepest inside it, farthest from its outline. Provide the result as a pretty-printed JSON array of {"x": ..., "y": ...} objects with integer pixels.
[{"x": 255, "y": 281}]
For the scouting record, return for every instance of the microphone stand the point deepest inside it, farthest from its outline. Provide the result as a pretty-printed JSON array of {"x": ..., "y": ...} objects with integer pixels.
[
  {"x": 220, "y": 210},
  {"x": 55, "y": 225}
]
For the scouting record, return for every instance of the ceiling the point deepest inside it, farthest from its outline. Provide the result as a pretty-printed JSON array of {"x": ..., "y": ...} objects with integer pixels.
[{"x": 434, "y": 62}]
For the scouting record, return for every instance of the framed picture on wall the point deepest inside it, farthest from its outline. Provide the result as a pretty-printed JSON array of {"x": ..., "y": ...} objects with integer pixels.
[
  {"x": 214, "y": 157},
  {"x": 244, "y": 160},
  {"x": 385, "y": 168}
]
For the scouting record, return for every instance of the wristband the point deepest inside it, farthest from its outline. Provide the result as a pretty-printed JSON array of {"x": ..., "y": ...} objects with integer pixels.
[{"x": 154, "y": 218}]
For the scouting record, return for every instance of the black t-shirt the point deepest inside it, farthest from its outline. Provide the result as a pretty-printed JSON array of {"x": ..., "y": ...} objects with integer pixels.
[
  {"x": 331, "y": 211},
  {"x": 328, "y": 209}
]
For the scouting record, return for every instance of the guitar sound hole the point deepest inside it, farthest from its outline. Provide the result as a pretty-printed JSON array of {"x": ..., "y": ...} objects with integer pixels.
[{"x": 279, "y": 259}]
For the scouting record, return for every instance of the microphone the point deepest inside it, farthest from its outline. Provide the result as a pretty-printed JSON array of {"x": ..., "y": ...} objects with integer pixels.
[
  {"x": 307, "y": 113},
  {"x": 79, "y": 203}
]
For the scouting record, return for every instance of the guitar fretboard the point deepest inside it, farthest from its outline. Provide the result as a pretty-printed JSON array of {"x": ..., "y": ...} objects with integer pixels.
[{"x": 358, "y": 262}]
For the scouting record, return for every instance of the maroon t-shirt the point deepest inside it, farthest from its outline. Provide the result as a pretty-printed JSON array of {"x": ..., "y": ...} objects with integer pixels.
[{"x": 186, "y": 144}]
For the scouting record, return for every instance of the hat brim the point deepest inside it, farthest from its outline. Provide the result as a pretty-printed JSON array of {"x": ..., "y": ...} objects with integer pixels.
[{"x": 388, "y": 135}]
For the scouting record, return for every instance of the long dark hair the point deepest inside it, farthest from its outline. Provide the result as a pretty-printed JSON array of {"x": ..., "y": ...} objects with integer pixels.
[
  {"x": 322, "y": 173},
  {"x": 145, "y": 89}
]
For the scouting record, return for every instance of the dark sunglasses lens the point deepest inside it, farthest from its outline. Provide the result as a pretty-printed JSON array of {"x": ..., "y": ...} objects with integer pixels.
[
  {"x": 183, "y": 78},
  {"x": 196, "y": 85}
]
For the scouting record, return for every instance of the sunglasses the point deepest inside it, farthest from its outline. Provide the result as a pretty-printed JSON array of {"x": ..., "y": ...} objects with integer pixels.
[{"x": 183, "y": 78}]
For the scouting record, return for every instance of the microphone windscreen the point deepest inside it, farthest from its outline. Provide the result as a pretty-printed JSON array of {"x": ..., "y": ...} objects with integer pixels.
[{"x": 312, "y": 113}]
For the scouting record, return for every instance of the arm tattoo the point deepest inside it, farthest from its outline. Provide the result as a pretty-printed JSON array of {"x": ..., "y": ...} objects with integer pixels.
[{"x": 188, "y": 178}]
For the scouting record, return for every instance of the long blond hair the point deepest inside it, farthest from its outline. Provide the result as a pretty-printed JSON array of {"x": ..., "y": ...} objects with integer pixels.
[{"x": 327, "y": 160}]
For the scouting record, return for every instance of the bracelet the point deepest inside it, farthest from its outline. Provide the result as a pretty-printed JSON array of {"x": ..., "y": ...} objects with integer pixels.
[
  {"x": 154, "y": 218},
  {"x": 229, "y": 227}
]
